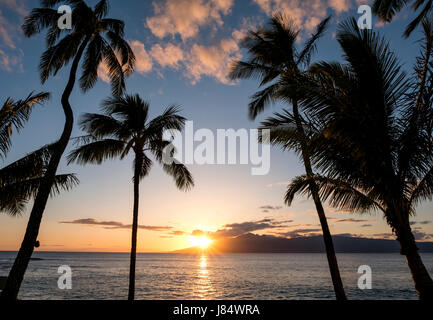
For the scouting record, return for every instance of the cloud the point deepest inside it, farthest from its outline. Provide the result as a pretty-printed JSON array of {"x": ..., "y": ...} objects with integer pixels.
[
  {"x": 10, "y": 62},
  {"x": 196, "y": 60},
  {"x": 113, "y": 224},
  {"x": 237, "y": 229},
  {"x": 143, "y": 62},
  {"x": 351, "y": 220},
  {"x": 185, "y": 17},
  {"x": 6, "y": 30},
  {"x": 168, "y": 55},
  {"x": 420, "y": 222},
  {"x": 213, "y": 60},
  {"x": 340, "y": 6},
  {"x": 421, "y": 235},
  {"x": 277, "y": 184},
  {"x": 15, "y": 5},
  {"x": 366, "y": 225},
  {"x": 383, "y": 236},
  {"x": 177, "y": 233},
  {"x": 268, "y": 207},
  {"x": 296, "y": 233},
  {"x": 305, "y": 14}
]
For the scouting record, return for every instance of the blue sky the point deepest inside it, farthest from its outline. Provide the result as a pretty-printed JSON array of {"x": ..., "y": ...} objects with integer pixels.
[{"x": 183, "y": 49}]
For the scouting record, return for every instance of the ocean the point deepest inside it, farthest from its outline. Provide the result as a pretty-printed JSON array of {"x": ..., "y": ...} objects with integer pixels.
[{"x": 226, "y": 276}]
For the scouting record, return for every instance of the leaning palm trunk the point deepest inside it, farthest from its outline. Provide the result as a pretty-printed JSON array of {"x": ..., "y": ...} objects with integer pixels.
[
  {"x": 327, "y": 238},
  {"x": 421, "y": 278},
  {"x": 16, "y": 274},
  {"x": 137, "y": 169}
]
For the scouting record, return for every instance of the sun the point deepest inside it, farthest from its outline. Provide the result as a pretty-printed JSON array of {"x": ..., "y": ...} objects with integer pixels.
[{"x": 202, "y": 242}]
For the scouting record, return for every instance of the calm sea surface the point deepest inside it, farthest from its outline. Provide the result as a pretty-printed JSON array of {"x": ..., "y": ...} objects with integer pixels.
[{"x": 229, "y": 276}]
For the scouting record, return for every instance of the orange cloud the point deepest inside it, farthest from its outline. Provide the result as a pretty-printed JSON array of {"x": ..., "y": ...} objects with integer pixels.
[
  {"x": 304, "y": 13},
  {"x": 144, "y": 62},
  {"x": 213, "y": 61},
  {"x": 168, "y": 55},
  {"x": 185, "y": 17}
]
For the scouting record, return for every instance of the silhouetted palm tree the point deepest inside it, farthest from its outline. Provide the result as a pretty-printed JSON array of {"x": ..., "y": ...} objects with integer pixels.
[
  {"x": 375, "y": 147},
  {"x": 387, "y": 9},
  {"x": 124, "y": 127},
  {"x": 85, "y": 38},
  {"x": 274, "y": 56},
  {"x": 20, "y": 180}
]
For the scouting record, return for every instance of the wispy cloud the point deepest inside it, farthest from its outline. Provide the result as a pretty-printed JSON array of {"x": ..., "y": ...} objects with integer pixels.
[
  {"x": 18, "y": 6},
  {"x": 302, "y": 232},
  {"x": 10, "y": 62},
  {"x": 350, "y": 220},
  {"x": 113, "y": 224},
  {"x": 278, "y": 184},
  {"x": 420, "y": 222},
  {"x": 10, "y": 55}
]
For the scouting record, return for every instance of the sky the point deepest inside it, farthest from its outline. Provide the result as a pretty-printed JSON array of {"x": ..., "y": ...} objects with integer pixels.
[{"x": 184, "y": 49}]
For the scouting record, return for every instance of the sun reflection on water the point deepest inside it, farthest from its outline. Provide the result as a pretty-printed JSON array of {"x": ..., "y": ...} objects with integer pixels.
[{"x": 203, "y": 287}]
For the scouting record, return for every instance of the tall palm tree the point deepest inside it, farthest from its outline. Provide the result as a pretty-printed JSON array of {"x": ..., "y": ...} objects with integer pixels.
[
  {"x": 89, "y": 27},
  {"x": 375, "y": 147},
  {"x": 273, "y": 57},
  {"x": 123, "y": 127},
  {"x": 387, "y": 9}
]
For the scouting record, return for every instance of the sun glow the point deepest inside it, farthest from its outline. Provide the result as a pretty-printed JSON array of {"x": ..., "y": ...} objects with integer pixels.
[{"x": 202, "y": 242}]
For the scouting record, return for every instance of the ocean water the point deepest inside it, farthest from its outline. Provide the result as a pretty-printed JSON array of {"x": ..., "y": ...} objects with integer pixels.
[{"x": 227, "y": 276}]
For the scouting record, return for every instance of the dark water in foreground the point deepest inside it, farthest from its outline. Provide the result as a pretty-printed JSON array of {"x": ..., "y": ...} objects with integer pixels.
[{"x": 229, "y": 276}]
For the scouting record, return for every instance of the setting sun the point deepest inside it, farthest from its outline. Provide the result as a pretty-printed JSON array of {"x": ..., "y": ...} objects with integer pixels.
[{"x": 202, "y": 242}]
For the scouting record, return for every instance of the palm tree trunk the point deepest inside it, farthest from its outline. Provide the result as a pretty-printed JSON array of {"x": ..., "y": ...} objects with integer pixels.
[
  {"x": 16, "y": 274},
  {"x": 137, "y": 169},
  {"x": 421, "y": 278},
  {"x": 314, "y": 189}
]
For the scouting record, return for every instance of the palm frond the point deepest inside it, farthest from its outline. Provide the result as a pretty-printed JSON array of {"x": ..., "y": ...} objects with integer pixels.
[
  {"x": 96, "y": 152},
  {"x": 180, "y": 174},
  {"x": 168, "y": 120},
  {"x": 115, "y": 70},
  {"x": 310, "y": 46},
  {"x": 92, "y": 59},
  {"x": 339, "y": 193},
  {"x": 99, "y": 125},
  {"x": 13, "y": 115}
]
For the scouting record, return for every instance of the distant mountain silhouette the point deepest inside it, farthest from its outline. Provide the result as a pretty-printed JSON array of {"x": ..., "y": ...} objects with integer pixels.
[{"x": 252, "y": 243}]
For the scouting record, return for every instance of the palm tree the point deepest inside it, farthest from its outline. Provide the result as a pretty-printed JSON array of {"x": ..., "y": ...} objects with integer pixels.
[
  {"x": 89, "y": 26},
  {"x": 387, "y": 9},
  {"x": 124, "y": 127},
  {"x": 375, "y": 146},
  {"x": 274, "y": 57},
  {"x": 20, "y": 180}
]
